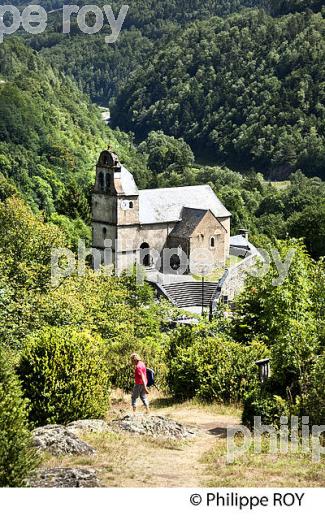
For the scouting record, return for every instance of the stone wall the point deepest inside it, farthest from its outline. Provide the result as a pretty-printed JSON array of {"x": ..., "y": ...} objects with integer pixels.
[
  {"x": 209, "y": 228},
  {"x": 128, "y": 211},
  {"x": 235, "y": 281},
  {"x": 104, "y": 208},
  {"x": 225, "y": 221}
]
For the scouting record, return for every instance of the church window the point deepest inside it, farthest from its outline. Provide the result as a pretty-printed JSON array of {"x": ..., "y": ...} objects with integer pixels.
[
  {"x": 146, "y": 258},
  {"x": 131, "y": 205},
  {"x": 212, "y": 242},
  {"x": 104, "y": 231},
  {"x": 175, "y": 262}
]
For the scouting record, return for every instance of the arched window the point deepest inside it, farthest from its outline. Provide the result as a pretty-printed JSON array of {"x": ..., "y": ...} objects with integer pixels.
[
  {"x": 146, "y": 258},
  {"x": 131, "y": 205},
  {"x": 212, "y": 242},
  {"x": 175, "y": 262},
  {"x": 104, "y": 231}
]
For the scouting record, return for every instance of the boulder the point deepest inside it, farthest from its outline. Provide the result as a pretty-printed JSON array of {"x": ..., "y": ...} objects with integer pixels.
[
  {"x": 58, "y": 440},
  {"x": 154, "y": 426},
  {"x": 89, "y": 426},
  {"x": 64, "y": 478}
]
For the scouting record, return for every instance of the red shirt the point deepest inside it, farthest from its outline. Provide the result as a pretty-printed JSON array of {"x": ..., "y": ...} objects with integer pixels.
[{"x": 140, "y": 370}]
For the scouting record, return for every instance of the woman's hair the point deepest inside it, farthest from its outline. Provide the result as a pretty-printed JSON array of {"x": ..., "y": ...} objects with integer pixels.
[{"x": 135, "y": 357}]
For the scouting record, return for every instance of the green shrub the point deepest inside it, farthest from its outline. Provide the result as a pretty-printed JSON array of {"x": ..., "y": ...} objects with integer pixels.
[
  {"x": 212, "y": 367},
  {"x": 65, "y": 376},
  {"x": 271, "y": 401},
  {"x": 17, "y": 458},
  {"x": 314, "y": 398},
  {"x": 261, "y": 403},
  {"x": 152, "y": 351}
]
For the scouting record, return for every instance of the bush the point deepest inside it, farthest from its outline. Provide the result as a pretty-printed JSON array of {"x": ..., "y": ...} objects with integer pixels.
[
  {"x": 314, "y": 398},
  {"x": 260, "y": 403},
  {"x": 152, "y": 351},
  {"x": 273, "y": 399},
  {"x": 17, "y": 458},
  {"x": 64, "y": 375},
  {"x": 212, "y": 368}
]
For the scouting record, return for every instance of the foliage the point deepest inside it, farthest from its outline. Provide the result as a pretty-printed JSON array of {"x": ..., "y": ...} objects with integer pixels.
[
  {"x": 64, "y": 375},
  {"x": 269, "y": 303},
  {"x": 310, "y": 224},
  {"x": 314, "y": 399},
  {"x": 26, "y": 242},
  {"x": 246, "y": 90},
  {"x": 215, "y": 368},
  {"x": 51, "y": 134},
  {"x": 166, "y": 154},
  {"x": 290, "y": 318},
  {"x": 259, "y": 403},
  {"x": 17, "y": 459},
  {"x": 148, "y": 25}
]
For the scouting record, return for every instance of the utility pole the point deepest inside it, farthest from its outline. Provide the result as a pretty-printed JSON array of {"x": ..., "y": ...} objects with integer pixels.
[{"x": 202, "y": 295}]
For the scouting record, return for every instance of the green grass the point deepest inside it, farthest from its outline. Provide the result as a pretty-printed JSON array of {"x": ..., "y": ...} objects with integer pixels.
[
  {"x": 229, "y": 410},
  {"x": 264, "y": 469}
]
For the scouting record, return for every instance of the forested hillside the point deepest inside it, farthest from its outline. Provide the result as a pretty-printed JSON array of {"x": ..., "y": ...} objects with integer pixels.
[
  {"x": 244, "y": 90},
  {"x": 51, "y": 134},
  {"x": 99, "y": 69},
  {"x": 247, "y": 90}
]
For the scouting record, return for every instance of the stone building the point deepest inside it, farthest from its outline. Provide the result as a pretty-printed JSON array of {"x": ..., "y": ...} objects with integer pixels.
[{"x": 159, "y": 228}]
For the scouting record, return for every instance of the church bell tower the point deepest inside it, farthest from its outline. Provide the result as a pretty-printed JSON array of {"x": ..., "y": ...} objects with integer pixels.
[{"x": 115, "y": 211}]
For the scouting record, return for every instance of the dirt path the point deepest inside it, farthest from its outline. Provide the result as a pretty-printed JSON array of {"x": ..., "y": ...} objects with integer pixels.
[
  {"x": 124, "y": 460},
  {"x": 152, "y": 465}
]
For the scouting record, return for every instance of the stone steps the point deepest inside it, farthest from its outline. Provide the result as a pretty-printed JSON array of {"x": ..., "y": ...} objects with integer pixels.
[{"x": 189, "y": 294}]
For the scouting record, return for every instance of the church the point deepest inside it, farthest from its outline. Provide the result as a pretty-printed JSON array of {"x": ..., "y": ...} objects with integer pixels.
[{"x": 139, "y": 226}]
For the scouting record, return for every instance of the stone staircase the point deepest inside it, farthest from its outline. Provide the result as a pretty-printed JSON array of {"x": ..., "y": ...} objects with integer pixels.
[{"x": 189, "y": 294}]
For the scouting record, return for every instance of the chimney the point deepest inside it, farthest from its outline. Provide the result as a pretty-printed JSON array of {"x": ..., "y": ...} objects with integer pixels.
[{"x": 244, "y": 233}]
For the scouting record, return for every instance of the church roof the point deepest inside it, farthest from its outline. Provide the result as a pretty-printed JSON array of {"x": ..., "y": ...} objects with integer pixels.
[
  {"x": 191, "y": 218},
  {"x": 239, "y": 241},
  {"x": 240, "y": 246},
  {"x": 126, "y": 182},
  {"x": 166, "y": 204}
]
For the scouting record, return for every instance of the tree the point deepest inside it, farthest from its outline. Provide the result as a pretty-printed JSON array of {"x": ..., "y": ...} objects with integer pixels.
[
  {"x": 242, "y": 90},
  {"x": 166, "y": 153},
  {"x": 73, "y": 203},
  {"x": 288, "y": 316},
  {"x": 268, "y": 305},
  {"x": 310, "y": 225},
  {"x": 17, "y": 458},
  {"x": 26, "y": 242}
]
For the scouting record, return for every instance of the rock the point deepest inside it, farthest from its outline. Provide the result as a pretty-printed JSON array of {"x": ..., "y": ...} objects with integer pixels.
[
  {"x": 88, "y": 426},
  {"x": 58, "y": 440},
  {"x": 153, "y": 426},
  {"x": 64, "y": 478}
]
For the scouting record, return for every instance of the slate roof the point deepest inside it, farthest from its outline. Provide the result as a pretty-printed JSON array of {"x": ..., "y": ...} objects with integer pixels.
[
  {"x": 240, "y": 246},
  {"x": 240, "y": 242},
  {"x": 166, "y": 204},
  {"x": 127, "y": 182},
  {"x": 190, "y": 220}
]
